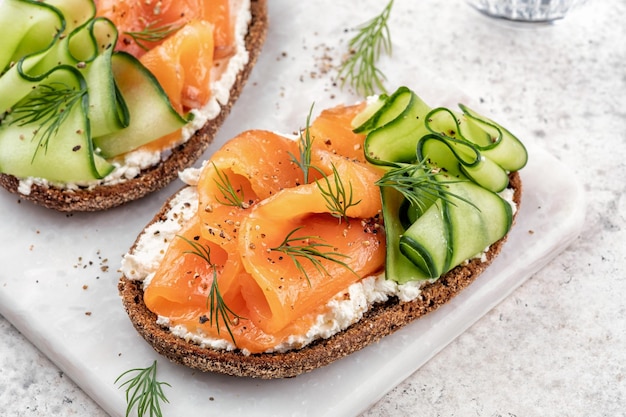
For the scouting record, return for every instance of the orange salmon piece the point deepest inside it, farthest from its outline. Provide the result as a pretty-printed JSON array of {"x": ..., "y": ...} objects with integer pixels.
[
  {"x": 180, "y": 289},
  {"x": 164, "y": 18},
  {"x": 309, "y": 198},
  {"x": 332, "y": 131},
  {"x": 253, "y": 177},
  {"x": 281, "y": 292},
  {"x": 218, "y": 12},
  {"x": 180, "y": 286},
  {"x": 182, "y": 65},
  {"x": 274, "y": 296},
  {"x": 284, "y": 290}
]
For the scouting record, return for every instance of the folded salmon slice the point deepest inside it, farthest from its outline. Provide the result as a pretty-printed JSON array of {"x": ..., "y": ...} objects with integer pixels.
[
  {"x": 287, "y": 286},
  {"x": 182, "y": 65},
  {"x": 255, "y": 165},
  {"x": 181, "y": 285},
  {"x": 180, "y": 291},
  {"x": 143, "y": 25},
  {"x": 332, "y": 131},
  {"x": 272, "y": 289}
]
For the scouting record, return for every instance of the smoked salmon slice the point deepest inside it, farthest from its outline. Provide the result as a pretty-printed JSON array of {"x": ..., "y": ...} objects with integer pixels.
[
  {"x": 252, "y": 176},
  {"x": 182, "y": 65},
  {"x": 143, "y": 25},
  {"x": 332, "y": 131},
  {"x": 181, "y": 285},
  {"x": 282, "y": 251}
]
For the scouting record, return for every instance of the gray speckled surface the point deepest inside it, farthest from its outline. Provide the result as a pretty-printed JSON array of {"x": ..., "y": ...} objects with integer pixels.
[{"x": 557, "y": 345}]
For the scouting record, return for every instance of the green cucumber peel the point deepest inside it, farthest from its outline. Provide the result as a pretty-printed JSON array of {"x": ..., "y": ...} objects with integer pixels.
[
  {"x": 397, "y": 266},
  {"x": 35, "y": 141},
  {"x": 426, "y": 243},
  {"x": 462, "y": 159},
  {"x": 364, "y": 121},
  {"x": 138, "y": 87},
  {"x": 448, "y": 234},
  {"x": 27, "y": 27},
  {"x": 488, "y": 221},
  {"x": 394, "y": 129},
  {"x": 505, "y": 148},
  {"x": 412, "y": 193},
  {"x": 443, "y": 172},
  {"x": 36, "y": 58}
]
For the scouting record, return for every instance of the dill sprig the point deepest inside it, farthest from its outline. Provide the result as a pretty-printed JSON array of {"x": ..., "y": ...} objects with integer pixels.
[
  {"x": 418, "y": 183},
  {"x": 303, "y": 160},
  {"x": 47, "y": 106},
  {"x": 360, "y": 69},
  {"x": 152, "y": 33},
  {"x": 218, "y": 309},
  {"x": 143, "y": 391},
  {"x": 231, "y": 196},
  {"x": 310, "y": 249},
  {"x": 338, "y": 198}
]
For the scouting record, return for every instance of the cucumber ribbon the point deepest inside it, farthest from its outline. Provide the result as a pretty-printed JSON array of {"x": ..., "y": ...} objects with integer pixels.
[
  {"x": 65, "y": 107},
  {"x": 444, "y": 170}
]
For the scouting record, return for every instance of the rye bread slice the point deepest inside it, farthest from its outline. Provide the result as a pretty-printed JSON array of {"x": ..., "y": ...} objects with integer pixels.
[
  {"x": 154, "y": 178},
  {"x": 381, "y": 320}
]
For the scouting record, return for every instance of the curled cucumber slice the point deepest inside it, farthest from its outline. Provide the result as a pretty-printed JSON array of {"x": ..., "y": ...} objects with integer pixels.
[
  {"x": 36, "y": 142},
  {"x": 139, "y": 88},
  {"x": 439, "y": 193}
]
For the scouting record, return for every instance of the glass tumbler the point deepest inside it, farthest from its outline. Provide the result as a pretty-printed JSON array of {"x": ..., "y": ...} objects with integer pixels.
[{"x": 525, "y": 10}]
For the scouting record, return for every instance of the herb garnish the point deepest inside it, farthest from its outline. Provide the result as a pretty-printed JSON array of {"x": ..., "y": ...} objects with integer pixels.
[
  {"x": 232, "y": 197},
  {"x": 311, "y": 251},
  {"x": 215, "y": 303},
  {"x": 152, "y": 33},
  {"x": 144, "y": 391},
  {"x": 304, "y": 147},
  {"x": 418, "y": 183},
  {"x": 48, "y": 105},
  {"x": 338, "y": 198},
  {"x": 360, "y": 69}
]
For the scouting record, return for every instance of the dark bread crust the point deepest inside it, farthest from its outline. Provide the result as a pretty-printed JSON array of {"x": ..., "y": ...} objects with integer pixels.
[
  {"x": 381, "y": 320},
  {"x": 154, "y": 178}
]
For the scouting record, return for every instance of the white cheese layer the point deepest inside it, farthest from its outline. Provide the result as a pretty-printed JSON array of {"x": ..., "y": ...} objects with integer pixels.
[{"x": 136, "y": 161}]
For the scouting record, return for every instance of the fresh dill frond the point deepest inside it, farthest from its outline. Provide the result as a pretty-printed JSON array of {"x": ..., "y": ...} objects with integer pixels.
[
  {"x": 231, "y": 196},
  {"x": 218, "y": 309},
  {"x": 310, "y": 249},
  {"x": 152, "y": 33},
  {"x": 360, "y": 68},
  {"x": 143, "y": 391},
  {"x": 419, "y": 184},
  {"x": 303, "y": 161},
  {"x": 338, "y": 198},
  {"x": 202, "y": 251},
  {"x": 47, "y": 107}
]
